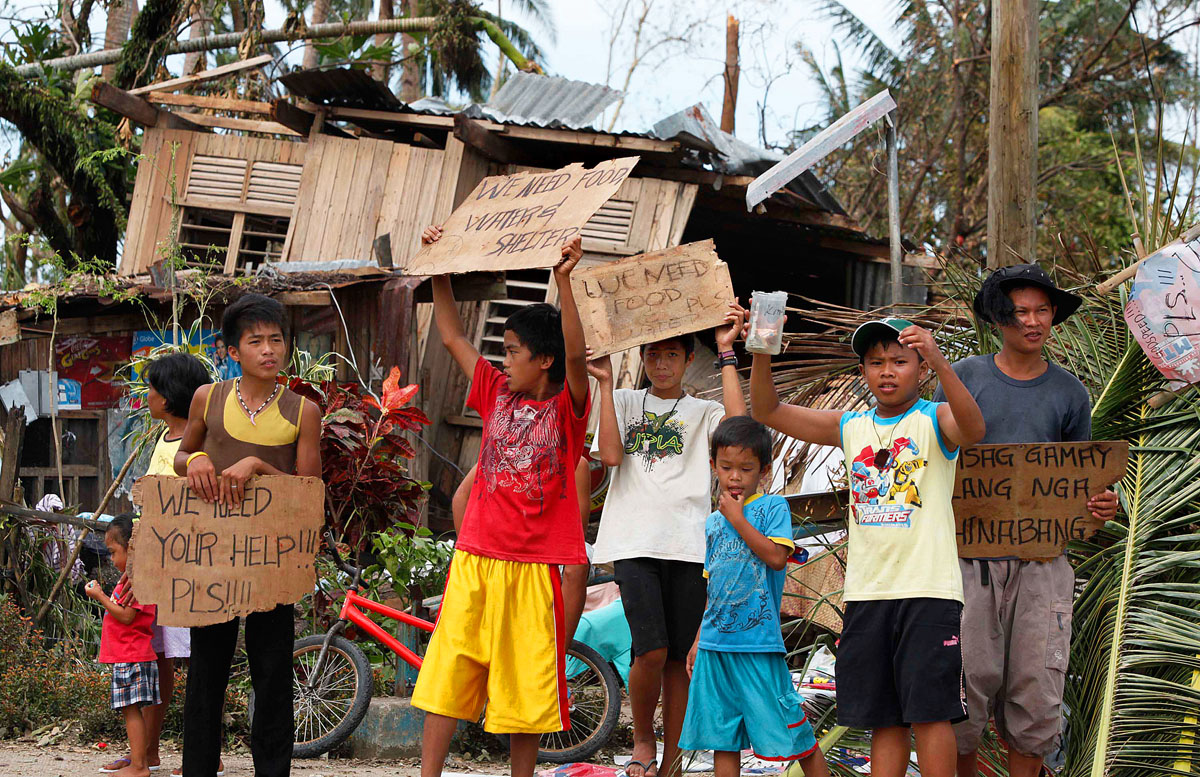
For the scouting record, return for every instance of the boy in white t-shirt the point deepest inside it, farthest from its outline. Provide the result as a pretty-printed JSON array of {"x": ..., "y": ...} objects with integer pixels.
[{"x": 652, "y": 528}]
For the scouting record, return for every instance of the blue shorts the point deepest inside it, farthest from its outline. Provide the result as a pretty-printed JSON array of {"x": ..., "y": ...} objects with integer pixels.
[{"x": 741, "y": 700}]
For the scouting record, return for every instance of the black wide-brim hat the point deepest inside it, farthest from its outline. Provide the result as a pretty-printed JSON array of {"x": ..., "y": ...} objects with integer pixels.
[{"x": 1065, "y": 303}]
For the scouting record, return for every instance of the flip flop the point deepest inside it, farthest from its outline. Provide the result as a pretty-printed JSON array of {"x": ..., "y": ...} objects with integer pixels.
[
  {"x": 113, "y": 767},
  {"x": 646, "y": 767}
]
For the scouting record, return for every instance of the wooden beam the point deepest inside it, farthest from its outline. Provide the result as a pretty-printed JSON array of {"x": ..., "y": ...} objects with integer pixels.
[
  {"x": 690, "y": 175},
  {"x": 283, "y": 211},
  {"x": 89, "y": 324},
  {"x": 596, "y": 139},
  {"x": 301, "y": 121},
  {"x": 317, "y": 298},
  {"x": 137, "y": 109},
  {"x": 208, "y": 101},
  {"x": 1013, "y": 134},
  {"x": 245, "y": 125},
  {"x": 491, "y": 145},
  {"x": 205, "y": 75},
  {"x": 406, "y": 119}
]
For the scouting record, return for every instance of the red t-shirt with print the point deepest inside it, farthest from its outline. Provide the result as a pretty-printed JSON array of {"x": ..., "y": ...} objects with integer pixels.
[
  {"x": 122, "y": 643},
  {"x": 523, "y": 505}
]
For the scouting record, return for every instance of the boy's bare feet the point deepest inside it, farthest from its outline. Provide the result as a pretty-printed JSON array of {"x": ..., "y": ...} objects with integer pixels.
[
  {"x": 133, "y": 771},
  {"x": 116, "y": 765}
]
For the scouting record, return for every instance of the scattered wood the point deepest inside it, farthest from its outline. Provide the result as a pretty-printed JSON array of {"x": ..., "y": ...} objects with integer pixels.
[
  {"x": 245, "y": 125},
  {"x": 210, "y": 102},
  {"x": 204, "y": 75},
  {"x": 137, "y": 108},
  {"x": 300, "y": 121},
  {"x": 318, "y": 298}
]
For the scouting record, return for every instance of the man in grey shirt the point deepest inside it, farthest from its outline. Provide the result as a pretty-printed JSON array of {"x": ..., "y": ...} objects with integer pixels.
[{"x": 1016, "y": 626}]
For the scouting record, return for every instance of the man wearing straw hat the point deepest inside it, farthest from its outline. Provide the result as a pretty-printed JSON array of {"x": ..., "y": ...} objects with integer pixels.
[{"x": 1016, "y": 626}]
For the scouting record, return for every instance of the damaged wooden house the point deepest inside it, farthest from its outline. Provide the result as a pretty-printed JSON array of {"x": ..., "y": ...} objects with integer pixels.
[{"x": 317, "y": 194}]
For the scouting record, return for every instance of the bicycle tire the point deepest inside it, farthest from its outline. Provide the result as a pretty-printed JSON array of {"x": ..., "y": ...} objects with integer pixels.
[
  {"x": 342, "y": 696},
  {"x": 594, "y": 699}
]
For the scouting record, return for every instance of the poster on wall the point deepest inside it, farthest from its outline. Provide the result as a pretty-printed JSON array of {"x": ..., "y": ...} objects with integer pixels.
[
  {"x": 88, "y": 370},
  {"x": 208, "y": 343},
  {"x": 1163, "y": 311}
]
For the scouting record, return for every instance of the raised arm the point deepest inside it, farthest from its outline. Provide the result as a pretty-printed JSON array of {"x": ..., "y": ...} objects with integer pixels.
[
  {"x": 202, "y": 476},
  {"x": 608, "y": 431},
  {"x": 821, "y": 427},
  {"x": 732, "y": 396},
  {"x": 445, "y": 313},
  {"x": 961, "y": 420},
  {"x": 573, "y": 346}
]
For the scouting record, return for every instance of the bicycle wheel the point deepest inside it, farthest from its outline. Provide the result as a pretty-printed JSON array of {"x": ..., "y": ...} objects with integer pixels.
[
  {"x": 594, "y": 703},
  {"x": 328, "y": 708}
]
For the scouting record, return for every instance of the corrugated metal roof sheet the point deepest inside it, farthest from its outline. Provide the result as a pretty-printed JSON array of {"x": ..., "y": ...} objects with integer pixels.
[
  {"x": 342, "y": 87},
  {"x": 536, "y": 99}
]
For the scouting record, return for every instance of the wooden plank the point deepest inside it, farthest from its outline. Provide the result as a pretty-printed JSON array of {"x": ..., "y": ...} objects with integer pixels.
[
  {"x": 393, "y": 192},
  {"x": 124, "y": 103},
  {"x": 245, "y": 125},
  {"x": 408, "y": 119},
  {"x": 331, "y": 161},
  {"x": 352, "y": 176},
  {"x": 235, "y": 243},
  {"x": 135, "y": 229},
  {"x": 368, "y": 225},
  {"x": 594, "y": 139},
  {"x": 204, "y": 75},
  {"x": 258, "y": 209},
  {"x": 683, "y": 211},
  {"x": 490, "y": 144},
  {"x": 643, "y": 214},
  {"x": 832, "y": 137},
  {"x": 318, "y": 298},
  {"x": 406, "y": 234},
  {"x": 171, "y": 170},
  {"x": 298, "y": 226},
  {"x": 447, "y": 185},
  {"x": 209, "y": 101},
  {"x": 300, "y": 120},
  {"x": 10, "y": 332},
  {"x": 664, "y": 212}
]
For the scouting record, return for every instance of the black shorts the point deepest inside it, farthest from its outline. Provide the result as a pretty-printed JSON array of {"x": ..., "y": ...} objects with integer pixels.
[
  {"x": 664, "y": 602},
  {"x": 899, "y": 662}
]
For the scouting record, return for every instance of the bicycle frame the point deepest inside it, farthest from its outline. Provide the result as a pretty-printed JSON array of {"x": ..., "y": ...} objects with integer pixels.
[{"x": 350, "y": 612}]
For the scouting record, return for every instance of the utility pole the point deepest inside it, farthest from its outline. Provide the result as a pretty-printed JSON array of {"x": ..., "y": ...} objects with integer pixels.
[
  {"x": 1013, "y": 134},
  {"x": 732, "y": 71}
]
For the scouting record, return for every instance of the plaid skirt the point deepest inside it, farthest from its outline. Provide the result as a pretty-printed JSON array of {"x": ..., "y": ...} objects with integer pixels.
[{"x": 135, "y": 684}]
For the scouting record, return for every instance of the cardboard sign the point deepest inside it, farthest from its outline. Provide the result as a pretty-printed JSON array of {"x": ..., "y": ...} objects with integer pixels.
[
  {"x": 204, "y": 563},
  {"x": 520, "y": 221},
  {"x": 652, "y": 296},
  {"x": 1162, "y": 310},
  {"x": 1029, "y": 500}
]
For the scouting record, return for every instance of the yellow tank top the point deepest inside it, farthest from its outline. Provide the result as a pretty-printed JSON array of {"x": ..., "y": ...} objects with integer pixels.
[
  {"x": 901, "y": 524},
  {"x": 162, "y": 460},
  {"x": 231, "y": 437}
]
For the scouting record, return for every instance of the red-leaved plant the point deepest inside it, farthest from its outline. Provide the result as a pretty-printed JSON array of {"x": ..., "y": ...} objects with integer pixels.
[{"x": 364, "y": 456}]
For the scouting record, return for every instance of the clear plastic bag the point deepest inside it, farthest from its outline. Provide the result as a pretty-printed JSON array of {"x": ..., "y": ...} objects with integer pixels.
[{"x": 768, "y": 313}]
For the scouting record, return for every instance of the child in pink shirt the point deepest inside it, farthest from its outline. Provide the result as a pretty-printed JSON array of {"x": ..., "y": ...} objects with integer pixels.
[{"x": 125, "y": 642}]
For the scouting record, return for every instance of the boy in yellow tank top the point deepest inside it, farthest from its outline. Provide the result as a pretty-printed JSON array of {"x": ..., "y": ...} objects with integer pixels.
[
  {"x": 238, "y": 429},
  {"x": 899, "y": 660}
]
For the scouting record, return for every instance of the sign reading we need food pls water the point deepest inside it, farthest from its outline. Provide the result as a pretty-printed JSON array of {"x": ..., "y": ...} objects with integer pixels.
[{"x": 1163, "y": 311}]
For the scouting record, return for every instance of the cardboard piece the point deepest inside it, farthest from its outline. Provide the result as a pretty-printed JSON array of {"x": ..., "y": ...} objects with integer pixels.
[
  {"x": 10, "y": 331},
  {"x": 520, "y": 221},
  {"x": 203, "y": 563},
  {"x": 1029, "y": 500},
  {"x": 1162, "y": 306},
  {"x": 652, "y": 296}
]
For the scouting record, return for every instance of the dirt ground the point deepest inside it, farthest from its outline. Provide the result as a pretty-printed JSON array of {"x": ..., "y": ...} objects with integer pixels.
[{"x": 21, "y": 759}]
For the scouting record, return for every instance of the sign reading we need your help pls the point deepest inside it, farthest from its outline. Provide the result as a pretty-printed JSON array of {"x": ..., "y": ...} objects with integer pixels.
[{"x": 205, "y": 563}]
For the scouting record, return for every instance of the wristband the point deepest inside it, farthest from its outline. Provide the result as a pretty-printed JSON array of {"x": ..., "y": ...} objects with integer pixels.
[
  {"x": 194, "y": 455},
  {"x": 725, "y": 362},
  {"x": 723, "y": 355}
]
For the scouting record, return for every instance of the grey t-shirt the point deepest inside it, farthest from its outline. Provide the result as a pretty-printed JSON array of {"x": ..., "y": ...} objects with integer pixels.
[{"x": 1053, "y": 407}]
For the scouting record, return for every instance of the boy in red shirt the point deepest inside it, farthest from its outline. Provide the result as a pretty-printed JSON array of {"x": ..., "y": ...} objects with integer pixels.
[
  {"x": 125, "y": 642},
  {"x": 501, "y": 636}
]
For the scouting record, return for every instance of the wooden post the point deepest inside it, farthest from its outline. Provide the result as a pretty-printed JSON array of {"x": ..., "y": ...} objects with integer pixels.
[
  {"x": 896, "y": 254},
  {"x": 1012, "y": 134},
  {"x": 732, "y": 71}
]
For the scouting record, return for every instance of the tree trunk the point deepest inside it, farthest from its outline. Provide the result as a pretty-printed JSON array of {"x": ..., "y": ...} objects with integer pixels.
[
  {"x": 152, "y": 34},
  {"x": 733, "y": 71},
  {"x": 1012, "y": 134},
  {"x": 320, "y": 12},
  {"x": 120, "y": 20},
  {"x": 382, "y": 70},
  {"x": 410, "y": 73},
  {"x": 195, "y": 61}
]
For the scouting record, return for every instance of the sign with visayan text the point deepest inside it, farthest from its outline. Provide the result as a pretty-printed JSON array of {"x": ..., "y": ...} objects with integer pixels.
[
  {"x": 520, "y": 221},
  {"x": 205, "y": 563},
  {"x": 1028, "y": 501},
  {"x": 652, "y": 296}
]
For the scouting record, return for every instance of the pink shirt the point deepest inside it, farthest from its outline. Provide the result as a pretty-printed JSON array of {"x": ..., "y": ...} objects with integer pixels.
[{"x": 127, "y": 643}]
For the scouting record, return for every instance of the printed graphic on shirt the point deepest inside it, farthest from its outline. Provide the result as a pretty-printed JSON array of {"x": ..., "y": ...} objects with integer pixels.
[
  {"x": 522, "y": 447},
  {"x": 882, "y": 484},
  {"x": 654, "y": 437},
  {"x": 745, "y": 600}
]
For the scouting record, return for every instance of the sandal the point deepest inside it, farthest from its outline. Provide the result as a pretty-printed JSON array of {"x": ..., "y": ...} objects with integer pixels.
[
  {"x": 115, "y": 766},
  {"x": 646, "y": 767}
]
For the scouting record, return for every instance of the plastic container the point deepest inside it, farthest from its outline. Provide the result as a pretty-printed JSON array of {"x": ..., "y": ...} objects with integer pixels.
[{"x": 768, "y": 313}]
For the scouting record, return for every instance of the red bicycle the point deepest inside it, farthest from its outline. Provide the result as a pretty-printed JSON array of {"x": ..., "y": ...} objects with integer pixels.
[{"x": 333, "y": 683}]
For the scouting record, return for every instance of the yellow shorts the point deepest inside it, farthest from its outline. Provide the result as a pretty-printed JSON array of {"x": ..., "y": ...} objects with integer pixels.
[{"x": 500, "y": 638}]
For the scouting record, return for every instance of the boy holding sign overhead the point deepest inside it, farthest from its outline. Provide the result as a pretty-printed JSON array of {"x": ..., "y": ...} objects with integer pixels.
[
  {"x": 899, "y": 662},
  {"x": 656, "y": 442},
  {"x": 1016, "y": 626},
  {"x": 500, "y": 636},
  {"x": 237, "y": 429}
]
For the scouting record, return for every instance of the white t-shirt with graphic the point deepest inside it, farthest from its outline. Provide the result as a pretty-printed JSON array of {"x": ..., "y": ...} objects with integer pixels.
[{"x": 660, "y": 495}]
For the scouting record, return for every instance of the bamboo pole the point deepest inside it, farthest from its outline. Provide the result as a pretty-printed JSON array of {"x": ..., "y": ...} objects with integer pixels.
[
  {"x": 315, "y": 32},
  {"x": 108, "y": 495}
]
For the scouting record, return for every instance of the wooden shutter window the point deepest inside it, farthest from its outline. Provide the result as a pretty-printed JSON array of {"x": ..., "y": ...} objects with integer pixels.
[
  {"x": 217, "y": 178},
  {"x": 525, "y": 287},
  {"x": 272, "y": 183},
  {"x": 612, "y": 222}
]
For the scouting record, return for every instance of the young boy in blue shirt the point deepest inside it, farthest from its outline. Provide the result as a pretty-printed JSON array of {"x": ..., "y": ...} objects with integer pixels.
[{"x": 741, "y": 690}]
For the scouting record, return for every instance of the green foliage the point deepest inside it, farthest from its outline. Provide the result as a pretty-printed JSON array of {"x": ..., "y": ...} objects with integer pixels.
[
  {"x": 411, "y": 558},
  {"x": 358, "y": 51}
]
